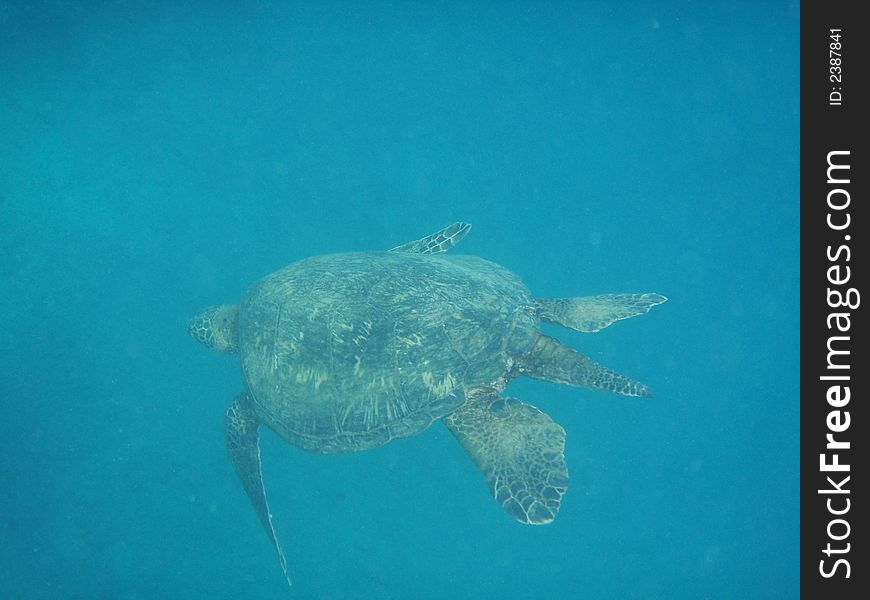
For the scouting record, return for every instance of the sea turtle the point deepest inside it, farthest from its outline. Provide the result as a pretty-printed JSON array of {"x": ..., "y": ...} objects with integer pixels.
[{"x": 346, "y": 352}]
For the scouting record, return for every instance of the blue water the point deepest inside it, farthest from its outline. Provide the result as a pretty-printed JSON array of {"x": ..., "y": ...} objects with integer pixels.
[{"x": 156, "y": 159}]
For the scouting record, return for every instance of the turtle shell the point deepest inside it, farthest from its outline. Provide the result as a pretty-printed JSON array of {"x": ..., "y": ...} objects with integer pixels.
[{"x": 345, "y": 352}]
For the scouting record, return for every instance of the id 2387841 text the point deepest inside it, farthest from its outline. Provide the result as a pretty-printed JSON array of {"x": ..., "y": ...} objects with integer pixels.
[{"x": 835, "y": 70}]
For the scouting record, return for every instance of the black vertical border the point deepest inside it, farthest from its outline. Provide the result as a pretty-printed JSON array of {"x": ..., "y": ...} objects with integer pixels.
[{"x": 826, "y": 128}]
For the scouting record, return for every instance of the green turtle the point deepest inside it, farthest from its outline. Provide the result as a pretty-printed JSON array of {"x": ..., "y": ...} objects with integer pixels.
[{"x": 346, "y": 352}]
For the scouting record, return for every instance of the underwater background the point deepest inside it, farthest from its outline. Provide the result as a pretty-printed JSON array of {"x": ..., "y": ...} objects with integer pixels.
[{"x": 158, "y": 157}]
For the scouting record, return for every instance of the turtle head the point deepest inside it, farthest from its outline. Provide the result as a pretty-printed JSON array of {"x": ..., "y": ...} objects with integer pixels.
[{"x": 217, "y": 328}]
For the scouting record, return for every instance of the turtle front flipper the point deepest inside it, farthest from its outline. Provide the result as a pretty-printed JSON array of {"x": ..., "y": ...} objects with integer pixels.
[
  {"x": 440, "y": 241},
  {"x": 520, "y": 451},
  {"x": 551, "y": 360},
  {"x": 243, "y": 442},
  {"x": 593, "y": 313}
]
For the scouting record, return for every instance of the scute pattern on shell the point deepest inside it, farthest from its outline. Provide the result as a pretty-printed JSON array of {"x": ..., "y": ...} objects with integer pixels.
[{"x": 345, "y": 352}]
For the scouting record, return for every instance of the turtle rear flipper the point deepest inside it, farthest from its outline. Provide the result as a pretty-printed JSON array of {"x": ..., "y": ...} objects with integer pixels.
[
  {"x": 520, "y": 451},
  {"x": 551, "y": 360},
  {"x": 593, "y": 313},
  {"x": 243, "y": 443},
  {"x": 440, "y": 241}
]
